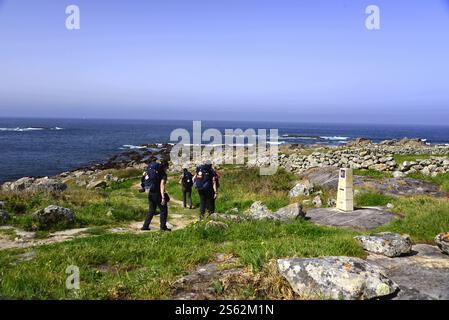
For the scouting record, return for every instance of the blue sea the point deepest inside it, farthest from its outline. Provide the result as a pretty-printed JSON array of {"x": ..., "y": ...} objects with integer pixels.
[{"x": 40, "y": 147}]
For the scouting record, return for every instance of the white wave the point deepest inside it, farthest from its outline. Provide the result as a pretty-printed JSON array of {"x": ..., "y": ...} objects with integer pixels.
[
  {"x": 130, "y": 146},
  {"x": 334, "y": 138},
  {"x": 275, "y": 142},
  {"x": 287, "y": 137},
  {"x": 18, "y": 129}
]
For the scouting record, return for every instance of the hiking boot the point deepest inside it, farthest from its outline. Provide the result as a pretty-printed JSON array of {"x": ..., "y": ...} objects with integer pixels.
[
  {"x": 145, "y": 229},
  {"x": 165, "y": 229}
]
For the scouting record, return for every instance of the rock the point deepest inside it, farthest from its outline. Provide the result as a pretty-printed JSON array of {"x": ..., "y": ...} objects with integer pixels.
[
  {"x": 386, "y": 243},
  {"x": 317, "y": 202},
  {"x": 390, "y": 206},
  {"x": 47, "y": 185},
  {"x": 442, "y": 241},
  {"x": 398, "y": 174},
  {"x": 359, "y": 142},
  {"x": 2, "y": 204},
  {"x": 110, "y": 177},
  {"x": 216, "y": 225},
  {"x": 290, "y": 212},
  {"x": 423, "y": 275},
  {"x": 97, "y": 184},
  {"x": 4, "y": 216},
  {"x": 35, "y": 185},
  {"x": 336, "y": 278},
  {"x": 259, "y": 211},
  {"x": 303, "y": 188},
  {"x": 53, "y": 214},
  {"x": 359, "y": 219}
]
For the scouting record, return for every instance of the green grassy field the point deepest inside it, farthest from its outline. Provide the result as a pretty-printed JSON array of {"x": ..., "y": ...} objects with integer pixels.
[{"x": 143, "y": 266}]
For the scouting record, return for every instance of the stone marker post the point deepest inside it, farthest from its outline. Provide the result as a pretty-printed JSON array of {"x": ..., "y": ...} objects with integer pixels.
[{"x": 345, "y": 196}]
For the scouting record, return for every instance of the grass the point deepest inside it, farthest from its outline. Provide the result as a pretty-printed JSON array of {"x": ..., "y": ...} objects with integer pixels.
[
  {"x": 373, "y": 173},
  {"x": 441, "y": 179},
  {"x": 371, "y": 198},
  {"x": 144, "y": 266},
  {"x": 239, "y": 188},
  {"x": 422, "y": 217},
  {"x": 91, "y": 207}
]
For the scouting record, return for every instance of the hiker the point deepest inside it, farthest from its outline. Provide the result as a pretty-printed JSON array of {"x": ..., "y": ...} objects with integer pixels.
[
  {"x": 154, "y": 179},
  {"x": 206, "y": 182},
  {"x": 186, "y": 181}
]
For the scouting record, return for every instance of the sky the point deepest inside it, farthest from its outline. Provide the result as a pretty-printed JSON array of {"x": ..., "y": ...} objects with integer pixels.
[{"x": 279, "y": 60}]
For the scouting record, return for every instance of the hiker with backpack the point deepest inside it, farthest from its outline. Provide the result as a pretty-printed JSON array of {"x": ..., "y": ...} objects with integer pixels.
[
  {"x": 186, "y": 181},
  {"x": 206, "y": 182},
  {"x": 153, "y": 180}
]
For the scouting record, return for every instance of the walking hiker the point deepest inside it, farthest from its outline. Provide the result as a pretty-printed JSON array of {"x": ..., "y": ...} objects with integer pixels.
[
  {"x": 154, "y": 179},
  {"x": 206, "y": 182},
  {"x": 186, "y": 181}
]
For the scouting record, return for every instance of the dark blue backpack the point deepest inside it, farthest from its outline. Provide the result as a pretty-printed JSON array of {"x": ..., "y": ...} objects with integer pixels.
[
  {"x": 152, "y": 178},
  {"x": 187, "y": 180},
  {"x": 204, "y": 175}
]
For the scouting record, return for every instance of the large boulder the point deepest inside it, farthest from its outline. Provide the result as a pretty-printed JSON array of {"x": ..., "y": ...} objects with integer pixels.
[
  {"x": 336, "y": 278},
  {"x": 18, "y": 185},
  {"x": 47, "y": 185},
  {"x": 259, "y": 211},
  {"x": 386, "y": 243},
  {"x": 97, "y": 184},
  {"x": 53, "y": 214},
  {"x": 290, "y": 212},
  {"x": 442, "y": 241},
  {"x": 303, "y": 188},
  {"x": 35, "y": 185}
]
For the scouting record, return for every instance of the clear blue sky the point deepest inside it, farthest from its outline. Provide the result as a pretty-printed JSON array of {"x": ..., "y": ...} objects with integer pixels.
[{"x": 287, "y": 60}]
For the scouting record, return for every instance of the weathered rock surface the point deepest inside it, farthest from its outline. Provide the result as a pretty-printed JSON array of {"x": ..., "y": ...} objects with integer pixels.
[
  {"x": 53, "y": 214},
  {"x": 336, "y": 278},
  {"x": 359, "y": 219},
  {"x": 35, "y": 185},
  {"x": 216, "y": 225},
  {"x": 303, "y": 188},
  {"x": 386, "y": 243},
  {"x": 97, "y": 184},
  {"x": 317, "y": 202},
  {"x": 259, "y": 211},
  {"x": 442, "y": 241},
  {"x": 423, "y": 276}
]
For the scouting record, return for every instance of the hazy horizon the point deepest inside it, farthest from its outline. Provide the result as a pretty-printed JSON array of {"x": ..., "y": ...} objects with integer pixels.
[{"x": 256, "y": 60}]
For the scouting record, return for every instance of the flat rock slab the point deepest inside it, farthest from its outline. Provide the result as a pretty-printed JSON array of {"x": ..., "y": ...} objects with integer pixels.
[
  {"x": 423, "y": 275},
  {"x": 359, "y": 219}
]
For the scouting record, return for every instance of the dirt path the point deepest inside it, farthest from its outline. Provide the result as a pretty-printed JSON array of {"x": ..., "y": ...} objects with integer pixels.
[{"x": 14, "y": 238}]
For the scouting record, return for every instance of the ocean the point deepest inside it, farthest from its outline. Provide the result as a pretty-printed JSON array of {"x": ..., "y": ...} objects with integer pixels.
[{"x": 41, "y": 147}]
